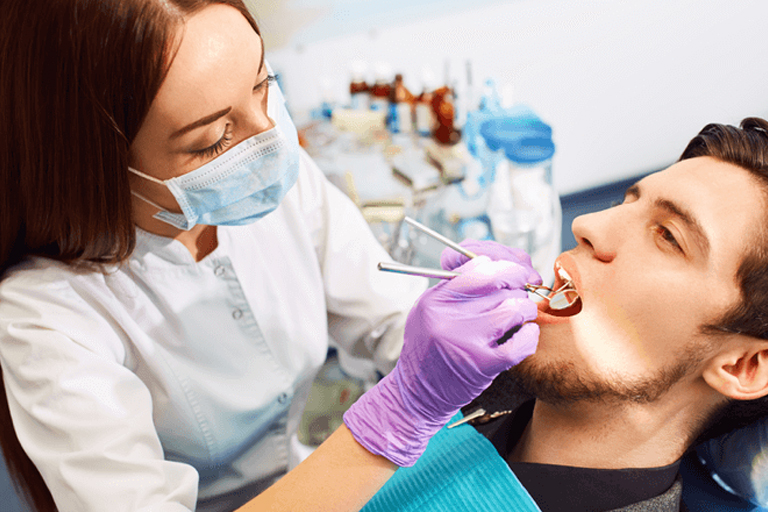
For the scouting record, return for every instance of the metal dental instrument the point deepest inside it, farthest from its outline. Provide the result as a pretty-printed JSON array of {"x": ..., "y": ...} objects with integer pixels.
[
  {"x": 560, "y": 300},
  {"x": 474, "y": 414},
  {"x": 399, "y": 268},
  {"x": 442, "y": 274},
  {"x": 564, "y": 297},
  {"x": 479, "y": 413},
  {"x": 440, "y": 238}
]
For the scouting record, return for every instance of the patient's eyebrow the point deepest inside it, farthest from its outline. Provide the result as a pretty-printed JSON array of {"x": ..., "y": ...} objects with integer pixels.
[
  {"x": 676, "y": 210},
  {"x": 633, "y": 191}
]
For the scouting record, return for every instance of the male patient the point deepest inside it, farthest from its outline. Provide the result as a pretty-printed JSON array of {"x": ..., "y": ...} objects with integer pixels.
[{"x": 668, "y": 346}]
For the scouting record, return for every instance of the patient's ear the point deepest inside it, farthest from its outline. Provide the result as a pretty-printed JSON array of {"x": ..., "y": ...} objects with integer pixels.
[{"x": 740, "y": 372}]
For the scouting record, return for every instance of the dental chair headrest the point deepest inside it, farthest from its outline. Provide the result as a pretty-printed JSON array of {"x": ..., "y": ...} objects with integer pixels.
[{"x": 738, "y": 461}]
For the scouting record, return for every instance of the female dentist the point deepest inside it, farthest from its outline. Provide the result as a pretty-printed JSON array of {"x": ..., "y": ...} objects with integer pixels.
[{"x": 159, "y": 332}]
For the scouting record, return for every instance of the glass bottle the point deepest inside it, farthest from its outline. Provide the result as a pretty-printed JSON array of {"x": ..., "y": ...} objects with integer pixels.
[
  {"x": 359, "y": 92},
  {"x": 424, "y": 115},
  {"x": 442, "y": 106},
  {"x": 401, "y": 107},
  {"x": 381, "y": 89}
]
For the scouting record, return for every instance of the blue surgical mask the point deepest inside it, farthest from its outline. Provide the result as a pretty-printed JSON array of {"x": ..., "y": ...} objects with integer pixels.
[{"x": 241, "y": 185}]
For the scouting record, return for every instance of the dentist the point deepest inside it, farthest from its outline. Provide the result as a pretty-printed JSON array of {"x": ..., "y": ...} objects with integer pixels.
[{"x": 173, "y": 264}]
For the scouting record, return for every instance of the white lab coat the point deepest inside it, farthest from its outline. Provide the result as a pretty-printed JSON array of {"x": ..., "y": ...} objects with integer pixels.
[{"x": 165, "y": 381}]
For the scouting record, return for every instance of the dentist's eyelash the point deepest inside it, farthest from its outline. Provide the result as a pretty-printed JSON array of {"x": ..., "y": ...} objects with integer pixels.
[
  {"x": 225, "y": 139},
  {"x": 271, "y": 79},
  {"x": 216, "y": 148}
]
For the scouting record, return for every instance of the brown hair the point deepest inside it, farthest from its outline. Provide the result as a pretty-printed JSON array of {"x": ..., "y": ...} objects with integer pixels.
[
  {"x": 747, "y": 147},
  {"x": 77, "y": 78}
]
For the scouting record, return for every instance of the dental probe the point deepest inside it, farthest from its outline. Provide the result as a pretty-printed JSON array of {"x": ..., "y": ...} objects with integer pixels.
[
  {"x": 400, "y": 268},
  {"x": 440, "y": 238},
  {"x": 557, "y": 301}
]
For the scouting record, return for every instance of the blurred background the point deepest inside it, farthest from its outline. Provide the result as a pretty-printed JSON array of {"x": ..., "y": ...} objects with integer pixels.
[{"x": 624, "y": 83}]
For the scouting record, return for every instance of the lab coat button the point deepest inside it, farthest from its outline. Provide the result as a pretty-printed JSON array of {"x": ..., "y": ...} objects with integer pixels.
[
  {"x": 237, "y": 314},
  {"x": 282, "y": 398},
  {"x": 219, "y": 271}
]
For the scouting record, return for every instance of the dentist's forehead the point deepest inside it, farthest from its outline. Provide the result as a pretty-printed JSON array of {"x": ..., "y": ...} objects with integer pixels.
[{"x": 217, "y": 45}]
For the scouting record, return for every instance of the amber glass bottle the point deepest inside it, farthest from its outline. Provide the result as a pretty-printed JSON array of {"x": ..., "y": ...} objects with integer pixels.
[
  {"x": 401, "y": 107},
  {"x": 442, "y": 105}
]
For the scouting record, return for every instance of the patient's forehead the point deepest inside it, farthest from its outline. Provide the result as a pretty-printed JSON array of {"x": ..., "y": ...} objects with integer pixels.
[{"x": 713, "y": 189}]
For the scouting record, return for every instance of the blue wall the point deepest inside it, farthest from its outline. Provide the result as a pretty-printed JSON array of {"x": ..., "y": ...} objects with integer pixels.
[{"x": 9, "y": 501}]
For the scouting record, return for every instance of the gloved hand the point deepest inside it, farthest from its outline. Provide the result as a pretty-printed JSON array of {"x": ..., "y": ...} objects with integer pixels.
[
  {"x": 451, "y": 259},
  {"x": 449, "y": 357}
]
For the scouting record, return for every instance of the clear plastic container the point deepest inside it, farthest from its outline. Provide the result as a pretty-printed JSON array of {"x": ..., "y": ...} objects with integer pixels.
[{"x": 523, "y": 206}]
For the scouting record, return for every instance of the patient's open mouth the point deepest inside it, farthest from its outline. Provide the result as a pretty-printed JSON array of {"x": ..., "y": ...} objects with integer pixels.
[
  {"x": 564, "y": 300},
  {"x": 571, "y": 310}
]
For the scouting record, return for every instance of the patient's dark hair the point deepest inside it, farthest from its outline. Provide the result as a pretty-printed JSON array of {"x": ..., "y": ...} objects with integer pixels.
[
  {"x": 77, "y": 78},
  {"x": 746, "y": 147}
]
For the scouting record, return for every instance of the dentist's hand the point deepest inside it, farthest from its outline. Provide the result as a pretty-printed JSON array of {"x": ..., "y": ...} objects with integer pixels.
[
  {"x": 451, "y": 259},
  {"x": 449, "y": 357}
]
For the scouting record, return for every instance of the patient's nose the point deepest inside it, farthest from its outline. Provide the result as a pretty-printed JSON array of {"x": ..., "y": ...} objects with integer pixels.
[{"x": 599, "y": 233}]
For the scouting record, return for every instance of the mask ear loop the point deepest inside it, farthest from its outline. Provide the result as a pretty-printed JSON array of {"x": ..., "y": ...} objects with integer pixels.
[
  {"x": 149, "y": 201},
  {"x": 146, "y": 176},
  {"x": 150, "y": 178}
]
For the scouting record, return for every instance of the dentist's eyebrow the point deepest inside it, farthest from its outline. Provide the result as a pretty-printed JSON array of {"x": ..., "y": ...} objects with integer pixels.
[
  {"x": 678, "y": 211},
  {"x": 216, "y": 115},
  {"x": 200, "y": 122}
]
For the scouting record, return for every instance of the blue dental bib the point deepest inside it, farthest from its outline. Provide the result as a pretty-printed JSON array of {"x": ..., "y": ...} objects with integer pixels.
[{"x": 460, "y": 471}]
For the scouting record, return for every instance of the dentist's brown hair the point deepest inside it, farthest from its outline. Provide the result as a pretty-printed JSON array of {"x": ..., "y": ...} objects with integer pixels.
[{"x": 77, "y": 78}]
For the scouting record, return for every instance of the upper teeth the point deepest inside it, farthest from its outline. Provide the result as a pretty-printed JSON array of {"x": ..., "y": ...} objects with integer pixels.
[{"x": 562, "y": 273}]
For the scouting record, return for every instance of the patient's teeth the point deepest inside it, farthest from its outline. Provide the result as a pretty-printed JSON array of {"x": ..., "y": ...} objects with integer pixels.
[{"x": 563, "y": 274}]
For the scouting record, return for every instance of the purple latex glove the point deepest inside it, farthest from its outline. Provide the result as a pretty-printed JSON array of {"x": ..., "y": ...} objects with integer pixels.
[
  {"x": 451, "y": 259},
  {"x": 449, "y": 357}
]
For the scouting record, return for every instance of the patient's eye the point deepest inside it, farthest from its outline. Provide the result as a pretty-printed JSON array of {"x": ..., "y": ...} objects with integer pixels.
[{"x": 668, "y": 237}]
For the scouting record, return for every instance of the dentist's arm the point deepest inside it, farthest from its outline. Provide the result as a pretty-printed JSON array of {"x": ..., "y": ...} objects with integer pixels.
[
  {"x": 450, "y": 356},
  {"x": 340, "y": 475}
]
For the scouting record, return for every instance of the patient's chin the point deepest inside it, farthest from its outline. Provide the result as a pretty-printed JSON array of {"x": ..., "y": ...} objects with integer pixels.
[
  {"x": 548, "y": 381},
  {"x": 562, "y": 382}
]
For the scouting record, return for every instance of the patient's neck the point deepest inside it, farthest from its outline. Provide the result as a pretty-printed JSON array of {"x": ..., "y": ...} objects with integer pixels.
[{"x": 610, "y": 436}]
